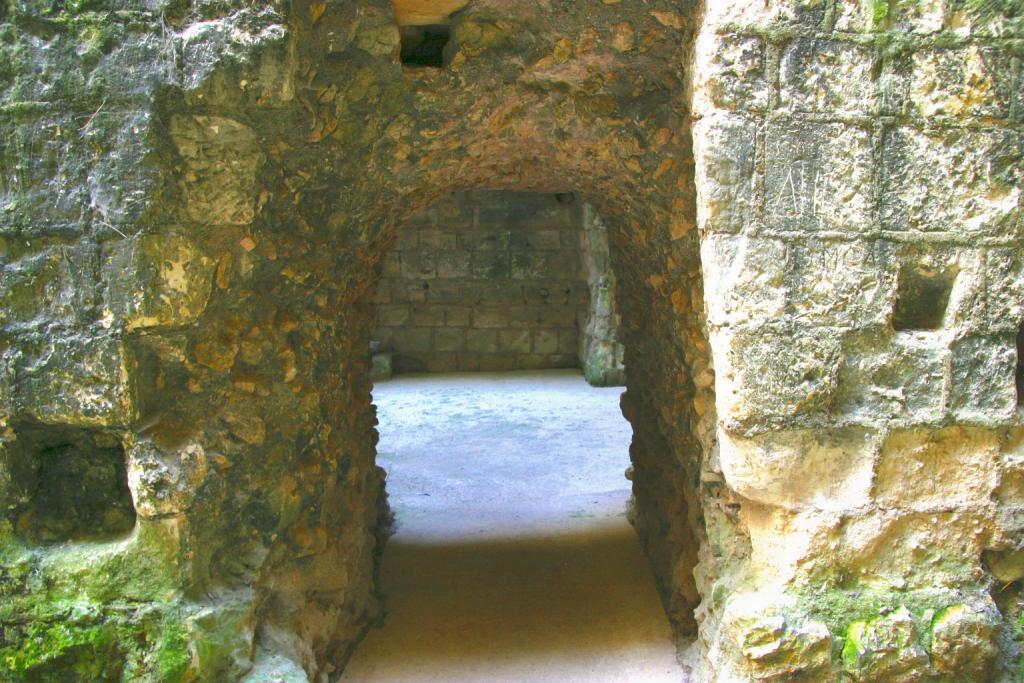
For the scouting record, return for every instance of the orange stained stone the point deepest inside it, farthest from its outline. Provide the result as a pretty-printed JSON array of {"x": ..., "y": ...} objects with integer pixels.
[{"x": 425, "y": 12}]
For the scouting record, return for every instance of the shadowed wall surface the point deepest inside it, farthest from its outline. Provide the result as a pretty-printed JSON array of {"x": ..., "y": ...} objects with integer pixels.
[
  {"x": 813, "y": 211},
  {"x": 486, "y": 281}
]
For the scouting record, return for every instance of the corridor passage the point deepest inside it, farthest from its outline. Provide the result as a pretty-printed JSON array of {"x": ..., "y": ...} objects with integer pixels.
[{"x": 513, "y": 559}]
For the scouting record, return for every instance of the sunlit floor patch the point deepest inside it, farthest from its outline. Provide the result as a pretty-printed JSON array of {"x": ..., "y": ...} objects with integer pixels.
[{"x": 513, "y": 559}]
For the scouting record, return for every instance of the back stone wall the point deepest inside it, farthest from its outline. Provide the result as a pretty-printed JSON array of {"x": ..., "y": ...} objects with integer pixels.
[
  {"x": 814, "y": 212},
  {"x": 492, "y": 281}
]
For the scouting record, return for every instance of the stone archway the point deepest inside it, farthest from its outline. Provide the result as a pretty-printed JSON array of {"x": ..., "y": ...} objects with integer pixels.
[
  {"x": 292, "y": 187},
  {"x": 198, "y": 195}
]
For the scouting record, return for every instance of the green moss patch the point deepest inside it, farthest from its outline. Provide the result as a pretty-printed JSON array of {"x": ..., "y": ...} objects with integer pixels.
[{"x": 88, "y": 642}]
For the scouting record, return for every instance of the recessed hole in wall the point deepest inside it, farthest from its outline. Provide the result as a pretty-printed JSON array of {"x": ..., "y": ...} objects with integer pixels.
[
  {"x": 922, "y": 296},
  {"x": 565, "y": 197},
  {"x": 1020, "y": 365},
  {"x": 66, "y": 484},
  {"x": 424, "y": 45}
]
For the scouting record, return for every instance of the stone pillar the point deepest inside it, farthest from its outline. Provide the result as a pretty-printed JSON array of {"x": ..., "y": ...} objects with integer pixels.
[{"x": 601, "y": 351}]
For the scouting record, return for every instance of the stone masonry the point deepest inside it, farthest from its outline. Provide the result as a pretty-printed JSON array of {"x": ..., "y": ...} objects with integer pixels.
[
  {"x": 814, "y": 217},
  {"x": 486, "y": 281}
]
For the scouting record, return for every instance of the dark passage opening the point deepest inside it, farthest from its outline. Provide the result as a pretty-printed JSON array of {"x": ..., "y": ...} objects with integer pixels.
[
  {"x": 424, "y": 45},
  {"x": 65, "y": 484},
  {"x": 922, "y": 296}
]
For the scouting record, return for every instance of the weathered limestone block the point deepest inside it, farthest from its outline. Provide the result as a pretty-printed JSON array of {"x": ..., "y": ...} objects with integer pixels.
[
  {"x": 827, "y": 76},
  {"x": 1011, "y": 485},
  {"x": 242, "y": 59},
  {"x": 987, "y": 21},
  {"x": 420, "y": 12},
  {"x": 968, "y": 82},
  {"x": 787, "y": 544},
  {"x": 483, "y": 30},
  {"x": 121, "y": 179},
  {"x": 139, "y": 62},
  {"x": 336, "y": 26},
  {"x": 222, "y": 158},
  {"x": 777, "y": 651},
  {"x": 738, "y": 14},
  {"x": 119, "y": 58},
  {"x": 725, "y": 150},
  {"x": 1007, "y": 566},
  {"x": 735, "y": 78},
  {"x": 885, "y": 649},
  {"x": 1004, "y": 290},
  {"x": 48, "y": 287},
  {"x": 222, "y": 636},
  {"x": 801, "y": 469},
  {"x": 842, "y": 284},
  {"x": 983, "y": 385},
  {"x": 73, "y": 379},
  {"x": 156, "y": 280},
  {"x": 34, "y": 148},
  {"x": 924, "y": 17},
  {"x": 1009, "y": 496},
  {"x": 912, "y": 549},
  {"x": 768, "y": 374},
  {"x": 164, "y": 483},
  {"x": 35, "y": 71},
  {"x": 745, "y": 280},
  {"x": 958, "y": 182},
  {"x": 887, "y": 376},
  {"x": 925, "y": 470},
  {"x": 856, "y": 16},
  {"x": 817, "y": 178},
  {"x": 838, "y": 284},
  {"x": 964, "y": 640},
  {"x": 76, "y": 99},
  {"x": 965, "y": 307},
  {"x": 378, "y": 34},
  {"x": 762, "y": 642}
]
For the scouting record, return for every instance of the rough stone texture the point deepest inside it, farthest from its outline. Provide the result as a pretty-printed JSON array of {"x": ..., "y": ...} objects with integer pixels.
[
  {"x": 197, "y": 201},
  {"x": 807, "y": 163},
  {"x": 602, "y": 354},
  {"x": 859, "y": 194},
  {"x": 499, "y": 281}
]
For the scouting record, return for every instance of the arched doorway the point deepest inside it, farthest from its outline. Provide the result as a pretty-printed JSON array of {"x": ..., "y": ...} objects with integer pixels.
[
  {"x": 252, "y": 454},
  {"x": 512, "y": 555}
]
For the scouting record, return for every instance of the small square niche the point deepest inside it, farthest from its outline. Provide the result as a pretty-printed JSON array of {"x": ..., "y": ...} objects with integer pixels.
[
  {"x": 424, "y": 46},
  {"x": 62, "y": 484},
  {"x": 922, "y": 296}
]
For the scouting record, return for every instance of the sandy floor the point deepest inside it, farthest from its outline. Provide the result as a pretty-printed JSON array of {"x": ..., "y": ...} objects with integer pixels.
[{"x": 513, "y": 560}]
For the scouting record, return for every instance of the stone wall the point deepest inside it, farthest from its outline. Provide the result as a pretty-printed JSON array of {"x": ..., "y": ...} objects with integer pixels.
[
  {"x": 602, "y": 353},
  {"x": 860, "y": 181},
  {"x": 197, "y": 201},
  {"x": 486, "y": 281},
  {"x": 814, "y": 218}
]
